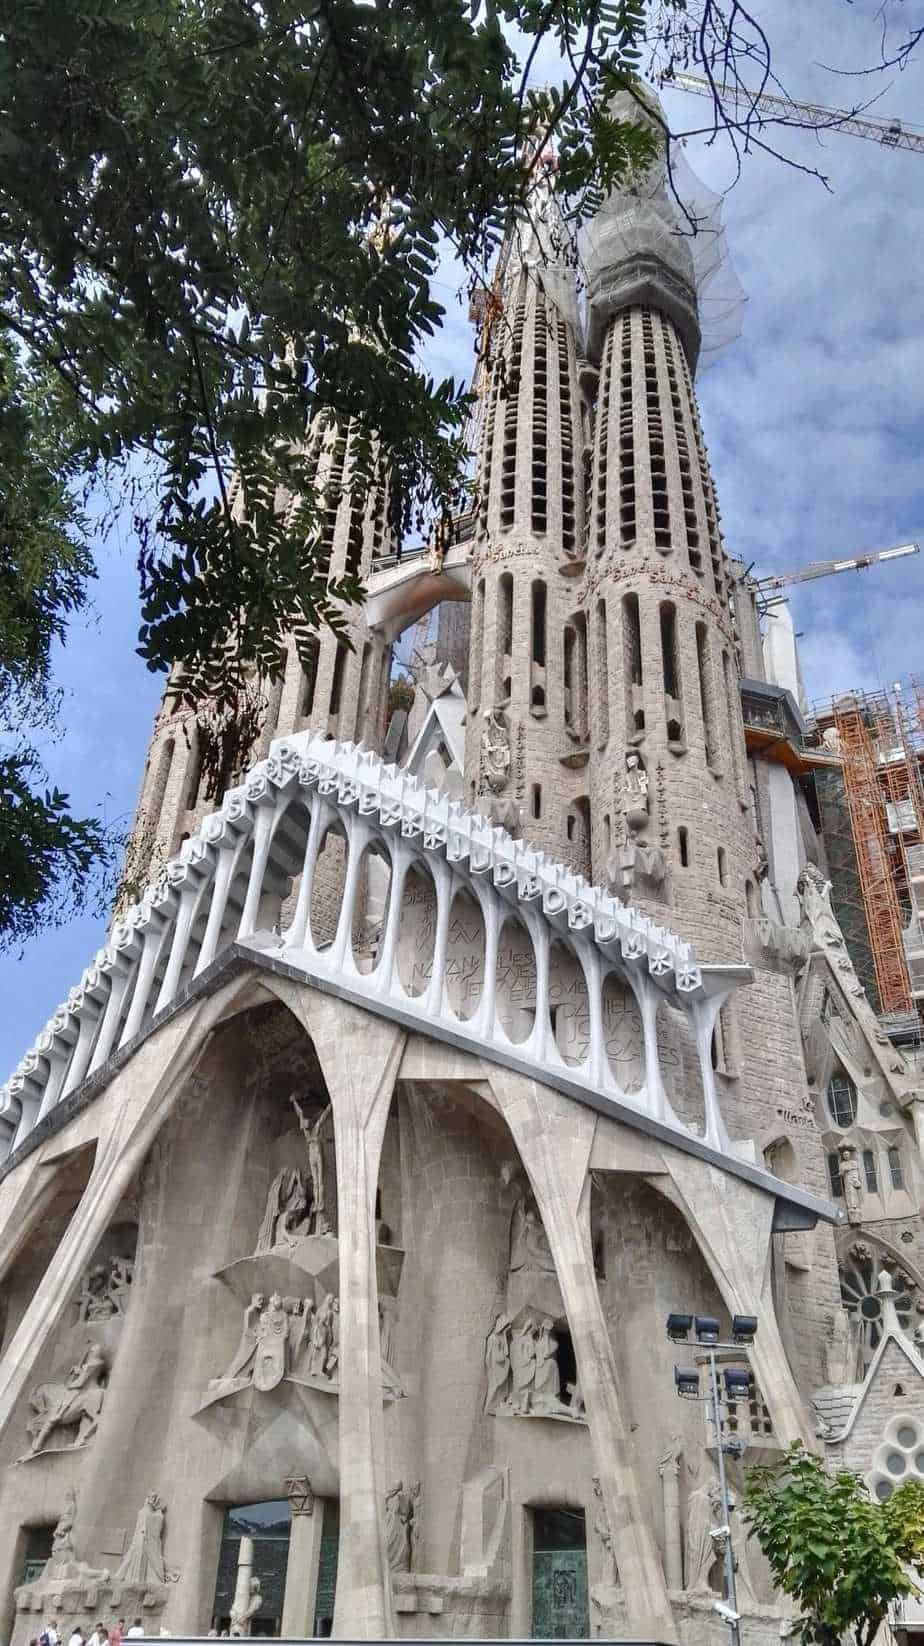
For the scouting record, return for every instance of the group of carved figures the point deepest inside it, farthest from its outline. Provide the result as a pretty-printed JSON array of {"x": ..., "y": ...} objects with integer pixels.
[
  {"x": 691, "y": 1557},
  {"x": 105, "y": 1289},
  {"x": 523, "y": 1371},
  {"x": 296, "y": 1206},
  {"x": 285, "y": 1336},
  {"x": 143, "y": 1562}
]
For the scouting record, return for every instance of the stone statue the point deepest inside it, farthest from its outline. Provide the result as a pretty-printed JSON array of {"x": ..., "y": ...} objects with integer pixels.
[
  {"x": 144, "y": 1562},
  {"x": 75, "y": 1404},
  {"x": 388, "y": 1308},
  {"x": 271, "y": 1338},
  {"x": 401, "y": 1534},
  {"x": 311, "y": 1132},
  {"x": 495, "y": 752},
  {"x": 286, "y": 1217},
  {"x": 669, "y": 1471},
  {"x": 95, "y": 1301},
  {"x": 242, "y": 1616},
  {"x": 635, "y": 789},
  {"x": 529, "y": 1247},
  {"x": 744, "y": 1582},
  {"x": 242, "y": 1364},
  {"x": 547, "y": 1380},
  {"x": 602, "y": 1529},
  {"x": 523, "y": 1365},
  {"x": 704, "y": 1509},
  {"x": 497, "y": 1362},
  {"x": 321, "y": 1338},
  {"x": 122, "y": 1273},
  {"x": 814, "y": 894},
  {"x": 852, "y": 1180},
  {"x": 62, "y": 1542}
]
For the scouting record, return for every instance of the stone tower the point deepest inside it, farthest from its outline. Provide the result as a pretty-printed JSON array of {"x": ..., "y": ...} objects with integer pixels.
[
  {"x": 526, "y": 753},
  {"x": 342, "y": 690},
  {"x": 670, "y": 801}
]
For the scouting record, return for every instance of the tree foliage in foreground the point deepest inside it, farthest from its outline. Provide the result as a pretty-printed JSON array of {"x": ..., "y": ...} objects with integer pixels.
[
  {"x": 843, "y": 1557},
  {"x": 50, "y": 861},
  {"x": 221, "y": 217}
]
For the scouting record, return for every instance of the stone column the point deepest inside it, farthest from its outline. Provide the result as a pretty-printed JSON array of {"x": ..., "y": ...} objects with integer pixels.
[
  {"x": 554, "y": 1138},
  {"x": 359, "y": 1055},
  {"x": 134, "y": 1109},
  {"x": 304, "y": 1559},
  {"x": 732, "y": 1222}
]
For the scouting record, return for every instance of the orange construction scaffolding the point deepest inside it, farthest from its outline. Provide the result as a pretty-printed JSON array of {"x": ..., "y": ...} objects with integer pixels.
[{"x": 880, "y": 737}]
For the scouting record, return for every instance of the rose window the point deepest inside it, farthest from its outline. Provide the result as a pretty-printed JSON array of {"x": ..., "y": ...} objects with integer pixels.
[{"x": 860, "y": 1299}]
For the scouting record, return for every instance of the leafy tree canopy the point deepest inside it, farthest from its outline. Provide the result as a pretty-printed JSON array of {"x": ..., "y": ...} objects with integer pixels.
[
  {"x": 843, "y": 1557},
  {"x": 50, "y": 861}
]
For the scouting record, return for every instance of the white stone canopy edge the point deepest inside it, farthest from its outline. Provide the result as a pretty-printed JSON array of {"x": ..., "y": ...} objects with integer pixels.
[{"x": 272, "y": 828}]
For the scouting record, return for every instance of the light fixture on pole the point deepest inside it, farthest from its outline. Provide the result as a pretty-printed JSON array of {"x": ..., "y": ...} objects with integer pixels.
[{"x": 739, "y": 1385}]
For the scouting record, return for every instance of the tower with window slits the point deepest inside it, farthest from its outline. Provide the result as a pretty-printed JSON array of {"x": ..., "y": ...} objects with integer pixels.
[
  {"x": 526, "y": 753},
  {"x": 670, "y": 808},
  {"x": 339, "y": 690}
]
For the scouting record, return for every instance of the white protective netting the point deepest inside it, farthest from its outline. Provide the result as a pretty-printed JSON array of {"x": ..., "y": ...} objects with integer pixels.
[{"x": 671, "y": 214}]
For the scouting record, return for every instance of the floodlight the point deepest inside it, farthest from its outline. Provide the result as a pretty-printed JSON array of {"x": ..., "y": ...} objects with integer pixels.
[
  {"x": 687, "y": 1382},
  {"x": 707, "y": 1329},
  {"x": 744, "y": 1328},
  {"x": 739, "y": 1383},
  {"x": 678, "y": 1327}
]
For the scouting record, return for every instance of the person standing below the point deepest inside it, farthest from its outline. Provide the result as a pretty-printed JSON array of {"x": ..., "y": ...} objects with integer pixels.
[
  {"x": 76, "y": 1637},
  {"x": 117, "y": 1633},
  {"x": 99, "y": 1636},
  {"x": 49, "y": 1635},
  {"x": 136, "y": 1632}
]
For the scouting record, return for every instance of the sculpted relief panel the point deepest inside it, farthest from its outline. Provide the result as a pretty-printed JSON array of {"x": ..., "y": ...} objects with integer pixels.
[{"x": 516, "y": 982}]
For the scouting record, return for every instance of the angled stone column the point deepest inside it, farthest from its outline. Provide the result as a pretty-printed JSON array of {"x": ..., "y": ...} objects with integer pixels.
[
  {"x": 359, "y": 1055},
  {"x": 732, "y": 1222},
  {"x": 555, "y": 1139},
  {"x": 138, "y": 1102}
]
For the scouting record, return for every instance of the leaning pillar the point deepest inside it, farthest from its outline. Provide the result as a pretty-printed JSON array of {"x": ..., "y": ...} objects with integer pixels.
[
  {"x": 359, "y": 1055},
  {"x": 554, "y": 1137}
]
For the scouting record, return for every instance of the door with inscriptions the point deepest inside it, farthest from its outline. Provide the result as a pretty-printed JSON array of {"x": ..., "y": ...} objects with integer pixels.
[{"x": 560, "y": 1609}]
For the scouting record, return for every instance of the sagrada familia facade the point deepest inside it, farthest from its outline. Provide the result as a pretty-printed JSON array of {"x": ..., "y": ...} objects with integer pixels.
[{"x": 344, "y": 1199}]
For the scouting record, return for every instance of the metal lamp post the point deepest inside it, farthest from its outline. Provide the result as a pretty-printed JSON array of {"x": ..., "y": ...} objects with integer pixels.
[{"x": 738, "y": 1383}]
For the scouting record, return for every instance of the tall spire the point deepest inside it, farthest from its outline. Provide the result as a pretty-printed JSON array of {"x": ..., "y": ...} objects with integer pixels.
[
  {"x": 526, "y": 745},
  {"x": 670, "y": 799}
]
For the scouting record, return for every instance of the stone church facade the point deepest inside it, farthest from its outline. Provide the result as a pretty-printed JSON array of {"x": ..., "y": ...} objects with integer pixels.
[{"x": 344, "y": 1200}]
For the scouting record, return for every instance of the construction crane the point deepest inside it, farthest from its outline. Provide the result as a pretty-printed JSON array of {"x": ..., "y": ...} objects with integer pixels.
[
  {"x": 765, "y": 587},
  {"x": 890, "y": 133}
]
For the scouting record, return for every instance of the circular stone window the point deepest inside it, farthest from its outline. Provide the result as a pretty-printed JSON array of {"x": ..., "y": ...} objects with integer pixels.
[
  {"x": 900, "y": 1453},
  {"x": 858, "y": 1295}
]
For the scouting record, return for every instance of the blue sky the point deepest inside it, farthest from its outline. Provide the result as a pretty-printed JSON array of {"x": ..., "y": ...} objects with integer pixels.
[{"x": 814, "y": 420}]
